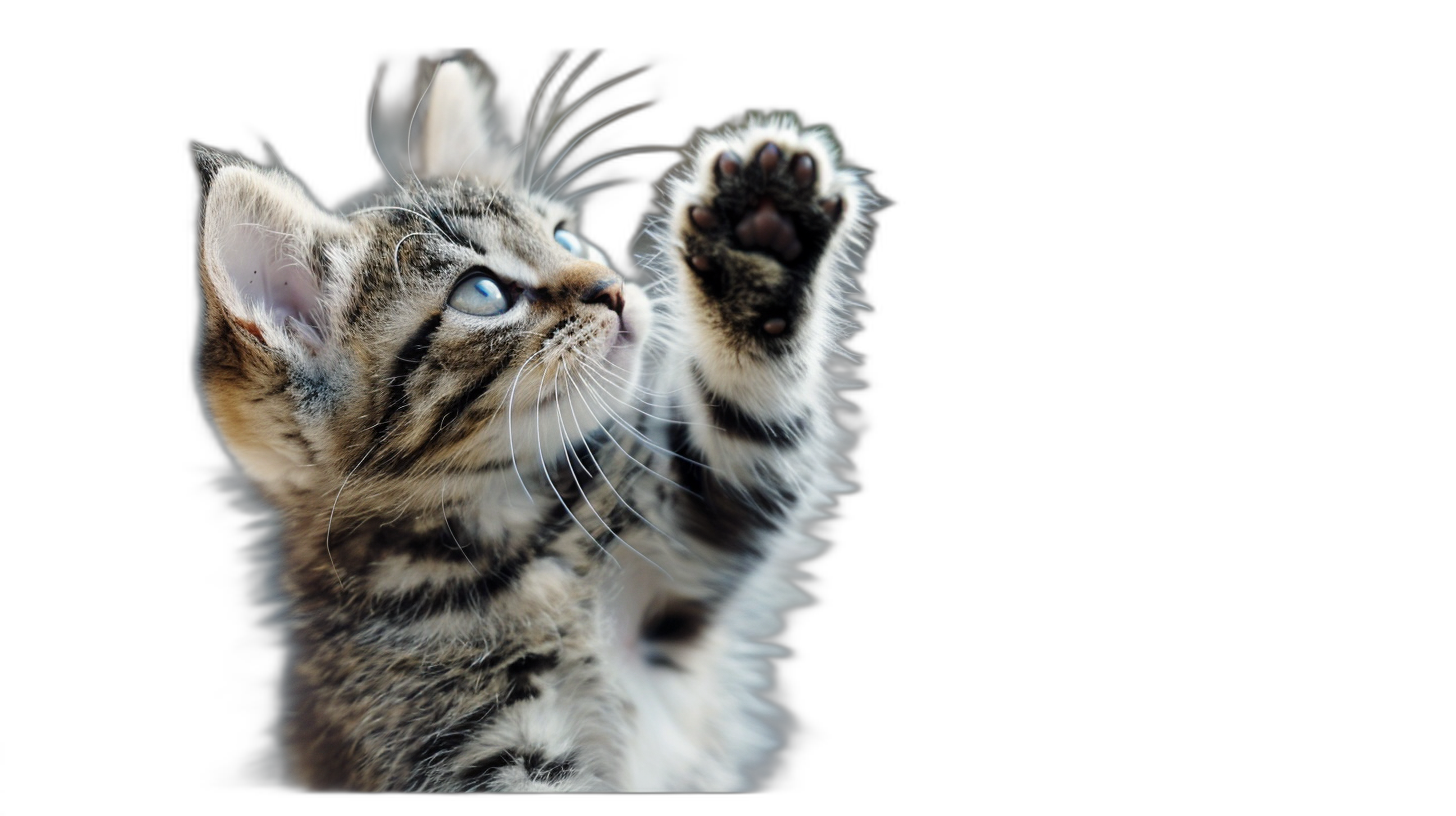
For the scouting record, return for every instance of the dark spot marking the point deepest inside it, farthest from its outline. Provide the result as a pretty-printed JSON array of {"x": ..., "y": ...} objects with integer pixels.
[{"x": 678, "y": 622}]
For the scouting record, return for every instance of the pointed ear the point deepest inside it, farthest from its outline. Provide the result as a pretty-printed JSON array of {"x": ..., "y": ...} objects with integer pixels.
[
  {"x": 210, "y": 161},
  {"x": 259, "y": 264},
  {"x": 456, "y": 133}
]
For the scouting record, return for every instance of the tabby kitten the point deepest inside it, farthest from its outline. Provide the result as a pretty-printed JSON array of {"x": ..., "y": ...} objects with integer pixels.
[{"x": 535, "y": 523}]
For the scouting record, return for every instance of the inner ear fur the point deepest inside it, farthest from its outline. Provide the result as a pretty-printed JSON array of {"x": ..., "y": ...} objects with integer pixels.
[{"x": 449, "y": 126}]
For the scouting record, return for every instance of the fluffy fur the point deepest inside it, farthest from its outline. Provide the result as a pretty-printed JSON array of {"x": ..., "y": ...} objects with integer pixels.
[{"x": 539, "y": 549}]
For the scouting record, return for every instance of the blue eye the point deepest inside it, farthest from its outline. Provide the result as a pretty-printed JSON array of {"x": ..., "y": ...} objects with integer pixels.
[
  {"x": 573, "y": 244},
  {"x": 479, "y": 295}
]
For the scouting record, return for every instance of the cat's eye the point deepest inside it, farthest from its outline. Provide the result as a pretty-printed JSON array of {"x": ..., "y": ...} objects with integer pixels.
[
  {"x": 480, "y": 295},
  {"x": 571, "y": 242}
]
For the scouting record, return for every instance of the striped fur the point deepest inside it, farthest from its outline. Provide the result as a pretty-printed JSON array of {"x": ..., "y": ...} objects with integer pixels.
[{"x": 540, "y": 550}]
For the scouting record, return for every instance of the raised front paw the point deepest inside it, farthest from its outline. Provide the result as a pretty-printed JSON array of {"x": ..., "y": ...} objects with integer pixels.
[{"x": 758, "y": 221}]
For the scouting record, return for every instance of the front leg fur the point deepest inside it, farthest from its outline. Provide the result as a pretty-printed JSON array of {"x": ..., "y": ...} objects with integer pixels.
[{"x": 764, "y": 230}]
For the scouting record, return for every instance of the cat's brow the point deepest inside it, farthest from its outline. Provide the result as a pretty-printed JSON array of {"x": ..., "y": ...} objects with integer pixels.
[{"x": 507, "y": 248}]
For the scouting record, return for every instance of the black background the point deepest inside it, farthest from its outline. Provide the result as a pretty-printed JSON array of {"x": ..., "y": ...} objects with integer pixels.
[{"x": 890, "y": 647}]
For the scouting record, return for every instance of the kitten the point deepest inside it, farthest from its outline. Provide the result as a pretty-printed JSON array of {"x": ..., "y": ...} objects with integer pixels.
[{"x": 535, "y": 522}]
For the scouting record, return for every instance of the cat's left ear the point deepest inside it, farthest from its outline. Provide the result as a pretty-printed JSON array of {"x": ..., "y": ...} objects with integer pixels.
[{"x": 265, "y": 246}]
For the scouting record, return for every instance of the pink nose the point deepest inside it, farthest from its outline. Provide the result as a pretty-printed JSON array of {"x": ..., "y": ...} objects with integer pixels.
[{"x": 607, "y": 293}]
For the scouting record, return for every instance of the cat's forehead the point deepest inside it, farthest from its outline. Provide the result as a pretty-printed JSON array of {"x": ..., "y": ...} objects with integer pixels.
[{"x": 510, "y": 232}]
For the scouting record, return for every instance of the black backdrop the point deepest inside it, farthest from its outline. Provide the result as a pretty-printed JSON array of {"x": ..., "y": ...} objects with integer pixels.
[{"x": 887, "y": 652}]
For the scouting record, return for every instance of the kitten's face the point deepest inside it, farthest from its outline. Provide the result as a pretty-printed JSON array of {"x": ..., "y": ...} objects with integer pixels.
[
  {"x": 450, "y": 330},
  {"x": 472, "y": 301}
]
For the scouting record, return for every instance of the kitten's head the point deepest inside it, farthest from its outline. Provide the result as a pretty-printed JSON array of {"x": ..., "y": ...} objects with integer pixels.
[{"x": 455, "y": 325}]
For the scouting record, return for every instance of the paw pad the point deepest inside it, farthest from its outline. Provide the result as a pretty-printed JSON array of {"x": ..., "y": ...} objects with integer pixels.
[
  {"x": 768, "y": 157},
  {"x": 804, "y": 170},
  {"x": 766, "y": 229},
  {"x": 729, "y": 164}
]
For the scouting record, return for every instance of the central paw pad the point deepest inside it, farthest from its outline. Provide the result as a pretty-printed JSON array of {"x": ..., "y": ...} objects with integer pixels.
[{"x": 766, "y": 229}]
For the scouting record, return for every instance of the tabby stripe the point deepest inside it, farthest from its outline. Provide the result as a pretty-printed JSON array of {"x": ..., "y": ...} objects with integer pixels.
[
  {"x": 462, "y": 401},
  {"x": 409, "y": 358},
  {"x": 446, "y": 226},
  {"x": 483, "y": 772},
  {"x": 558, "y": 520},
  {"x": 445, "y": 428},
  {"x": 455, "y": 596},
  {"x": 492, "y": 208},
  {"x": 444, "y": 746},
  {"x": 728, "y": 517},
  {"x": 729, "y": 418}
]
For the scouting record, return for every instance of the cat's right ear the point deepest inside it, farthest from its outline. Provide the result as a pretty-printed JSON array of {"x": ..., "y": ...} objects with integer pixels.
[
  {"x": 447, "y": 126},
  {"x": 264, "y": 243},
  {"x": 207, "y": 161}
]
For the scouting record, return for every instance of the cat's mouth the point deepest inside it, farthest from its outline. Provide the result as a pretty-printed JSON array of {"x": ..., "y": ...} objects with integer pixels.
[{"x": 624, "y": 337}]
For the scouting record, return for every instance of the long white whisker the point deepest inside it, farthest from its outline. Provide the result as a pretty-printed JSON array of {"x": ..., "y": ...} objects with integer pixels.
[
  {"x": 445, "y": 517},
  {"x": 373, "y": 103},
  {"x": 546, "y": 471},
  {"x": 570, "y": 452},
  {"x": 329, "y": 529},
  {"x": 606, "y": 157},
  {"x": 525, "y": 173},
  {"x": 589, "y": 130},
  {"x": 571, "y": 381},
  {"x": 606, "y": 390},
  {"x": 468, "y": 157},
  {"x": 659, "y": 282},
  {"x": 409, "y": 134},
  {"x": 511, "y": 422},
  {"x": 398, "y": 277},
  {"x": 586, "y": 97},
  {"x": 637, "y": 433},
  {"x": 554, "y": 121},
  {"x": 591, "y": 188},
  {"x": 617, "y": 381}
]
